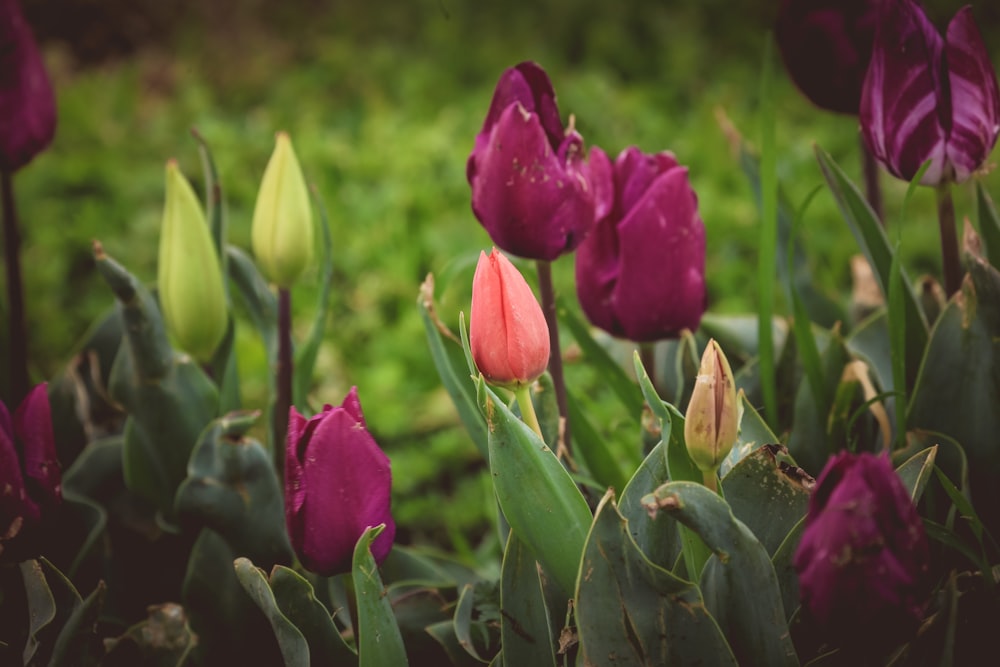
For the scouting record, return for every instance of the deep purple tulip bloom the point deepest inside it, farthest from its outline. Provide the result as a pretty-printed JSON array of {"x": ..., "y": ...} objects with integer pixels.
[
  {"x": 928, "y": 97},
  {"x": 337, "y": 484},
  {"x": 863, "y": 558},
  {"x": 826, "y": 46},
  {"x": 640, "y": 274},
  {"x": 530, "y": 181},
  {"x": 27, "y": 106},
  {"x": 30, "y": 478}
]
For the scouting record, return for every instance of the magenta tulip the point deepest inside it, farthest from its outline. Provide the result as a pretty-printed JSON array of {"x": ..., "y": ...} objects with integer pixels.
[
  {"x": 640, "y": 274},
  {"x": 337, "y": 484},
  {"x": 929, "y": 98},
  {"x": 531, "y": 184}
]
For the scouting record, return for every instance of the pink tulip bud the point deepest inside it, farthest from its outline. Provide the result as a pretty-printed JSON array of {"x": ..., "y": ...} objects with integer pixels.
[{"x": 507, "y": 330}]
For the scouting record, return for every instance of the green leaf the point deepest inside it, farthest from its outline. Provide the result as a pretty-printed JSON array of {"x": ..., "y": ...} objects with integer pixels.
[
  {"x": 754, "y": 434},
  {"x": 869, "y": 341},
  {"x": 524, "y": 623},
  {"x": 258, "y": 298},
  {"x": 783, "y": 562},
  {"x": 53, "y": 603},
  {"x": 294, "y": 648},
  {"x": 297, "y": 601},
  {"x": 538, "y": 497},
  {"x": 659, "y": 539},
  {"x": 379, "y": 639},
  {"x": 989, "y": 223},
  {"x": 75, "y": 644},
  {"x": 443, "y": 632},
  {"x": 897, "y": 343},
  {"x": 871, "y": 238},
  {"x": 916, "y": 471},
  {"x": 454, "y": 376},
  {"x": 635, "y": 611},
  {"x": 592, "y": 447},
  {"x": 810, "y": 442},
  {"x": 739, "y": 583},
  {"x": 463, "y": 623},
  {"x": 543, "y": 398}
]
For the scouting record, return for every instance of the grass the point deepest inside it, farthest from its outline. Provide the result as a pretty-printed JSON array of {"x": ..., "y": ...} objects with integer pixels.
[{"x": 383, "y": 108}]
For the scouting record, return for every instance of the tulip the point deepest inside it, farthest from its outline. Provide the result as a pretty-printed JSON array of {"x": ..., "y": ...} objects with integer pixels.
[
  {"x": 712, "y": 421},
  {"x": 641, "y": 273},
  {"x": 282, "y": 229},
  {"x": 532, "y": 188},
  {"x": 863, "y": 556},
  {"x": 30, "y": 478},
  {"x": 191, "y": 291},
  {"x": 507, "y": 331},
  {"x": 826, "y": 46},
  {"x": 337, "y": 484},
  {"x": 929, "y": 98},
  {"x": 27, "y": 105}
]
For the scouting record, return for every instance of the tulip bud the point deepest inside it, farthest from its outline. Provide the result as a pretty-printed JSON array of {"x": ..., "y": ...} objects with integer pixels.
[
  {"x": 282, "y": 231},
  {"x": 863, "y": 557},
  {"x": 929, "y": 98},
  {"x": 508, "y": 334},
  {"x": 30, "y": 478},
  {"x": 191, "y": 291},
  {"x": 27, "y": 105},
  {"x": 337, "y": 484},
  {"x": 712, "y": 420}
]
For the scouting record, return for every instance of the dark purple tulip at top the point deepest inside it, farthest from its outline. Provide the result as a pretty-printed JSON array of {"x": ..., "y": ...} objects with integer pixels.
[
  {"x": 27, "y": 106},
  {"x": 30, "y": 477},
  {"x": 928, "y": 97},
  {"x": 530, "y": 181},
  {"x": 640, "y": 274},
  {"x": 826, "y": 46},
  {"x": 863, "y": 556},
  {"x": 337, "y": 484}
]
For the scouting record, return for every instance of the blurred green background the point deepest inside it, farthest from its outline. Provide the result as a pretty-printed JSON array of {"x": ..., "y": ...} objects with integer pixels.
[{"x": 382, "y": 101}]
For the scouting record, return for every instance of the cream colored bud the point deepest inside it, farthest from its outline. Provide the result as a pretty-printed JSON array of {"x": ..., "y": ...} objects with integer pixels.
[{"x": 711, "y": 424}]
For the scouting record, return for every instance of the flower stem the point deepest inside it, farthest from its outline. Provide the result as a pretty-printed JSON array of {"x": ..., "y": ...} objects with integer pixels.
[
  {"x": 949, "y": 240},
  {"x": 711, "y": 480},
  {"x": 555, "y": 354},
  {"x": 647, "y": 355},
  {"x": 283, "y": 400},
  {"x": 18, "y": 339},
  {"x": 523, "y": 395},
  {"x": 873, "y": 193}
]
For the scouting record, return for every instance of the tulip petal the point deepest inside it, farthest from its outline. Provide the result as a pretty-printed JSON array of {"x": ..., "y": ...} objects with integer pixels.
[
  {"x": 526, "y": 84},
  {"x": 662, "y": 243},
  {"x": 14, "y": 501},
  {"x": 530, "y": 204},
  {"x": 905, "y": 111},
  {"x": 33, "y": 425},
  {"x": 975, "y": 100},
  {"x": 597, "y": 268}
]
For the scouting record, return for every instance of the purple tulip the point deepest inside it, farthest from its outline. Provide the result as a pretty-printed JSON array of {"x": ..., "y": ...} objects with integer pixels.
[
  {"x": 27, "y": 106},
  {"x": 640, "y": 274},
  {"x": 826, "y": 46},
  {"x": 863, "y": 558},
  {"x": 30, "y": 478},
  {"x": 928, "y": 97},
  {"x": 337, "y": 484},
  {"x": 531, "y": 184}
]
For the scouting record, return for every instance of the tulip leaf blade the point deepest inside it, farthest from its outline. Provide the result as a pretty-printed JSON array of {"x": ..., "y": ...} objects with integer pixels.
[
  {"x": 871, "y": 238},
  {"x": 258, "y": 298},
  {"x": 296, "y": 599},
  {"x": 659, "y": 538},
  {"x": 739, "y": 582},
  {"x": 916, "y": 471},
  {"x": 631, "y": 608},
  {"x": 294, "y": 648},
  {"x": 538, "y": 497},
  {"x": 989, "y": 223},
  {"x": 590, "y": 446},
  {"x": 754, "y": 434},
  {"x": 75, "y": 642},
  {"x": 783, "y": 561},
  {"x": 525, "y": 633},
  {"x": 379, "y": 638}
]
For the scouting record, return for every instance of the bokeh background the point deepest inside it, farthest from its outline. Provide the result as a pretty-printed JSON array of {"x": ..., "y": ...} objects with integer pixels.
[{"x": 382, "y": 100}]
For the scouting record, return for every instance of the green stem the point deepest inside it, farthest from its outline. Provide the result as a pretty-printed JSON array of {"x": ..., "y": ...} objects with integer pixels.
[
  {"x": 711, "y": 480},
  {"x": 950, "y": 261},
  {"x": 647, "y": 355},
  {"x": 523, "y": 395},
  {"x": 18, "y": 339},
  {"x": 555, "y": 354},
  {"x": 873, "y": 193},
  {"x": 283, "y": 400}
]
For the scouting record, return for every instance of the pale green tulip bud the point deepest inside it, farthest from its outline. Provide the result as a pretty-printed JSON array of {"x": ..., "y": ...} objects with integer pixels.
[
  {"x": 192, "y": 295},
  {"x": 712, "y": 420},
  {"x": 282, "y": 232}
]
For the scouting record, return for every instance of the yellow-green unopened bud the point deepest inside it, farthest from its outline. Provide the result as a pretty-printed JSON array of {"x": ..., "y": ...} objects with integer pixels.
[
  {"x": 282, "y": 232},
  {"x": 712, "y": 420},
  {"x": 192, "y": 296}
]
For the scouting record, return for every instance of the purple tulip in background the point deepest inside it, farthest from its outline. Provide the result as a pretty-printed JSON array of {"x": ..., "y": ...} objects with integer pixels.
[
  {"x": 928, "y": 97},
  {"x": 640, "y": 274},
  {"x": 530, "y": 181},
  {"x": 30, "y": 478},
  {"x": 863, "y": 557},
  {"x": 27, "y": 106},
  {"x": 337, "y": 484},
  {"x": 826, "y": 46}
]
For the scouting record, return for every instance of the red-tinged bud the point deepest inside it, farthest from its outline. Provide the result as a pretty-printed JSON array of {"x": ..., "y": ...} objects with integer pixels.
[{"x": 507, "y": 330}]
